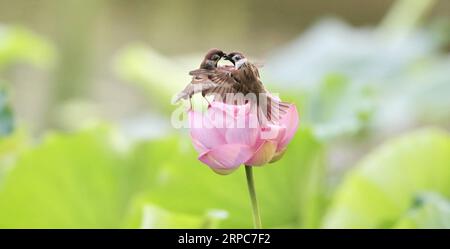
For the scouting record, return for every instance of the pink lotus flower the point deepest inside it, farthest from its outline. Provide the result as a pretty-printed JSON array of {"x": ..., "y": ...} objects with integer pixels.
[{"x": 227, "y": 136}]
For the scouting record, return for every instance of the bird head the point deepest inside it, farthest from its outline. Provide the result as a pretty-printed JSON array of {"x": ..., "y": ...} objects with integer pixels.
[
  {"x": 236, "y": 58},
  {"x": 212, "y": 58}
]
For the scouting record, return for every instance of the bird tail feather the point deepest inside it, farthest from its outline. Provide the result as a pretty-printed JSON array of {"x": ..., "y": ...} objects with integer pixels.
[{"x": 271, "y": 110}]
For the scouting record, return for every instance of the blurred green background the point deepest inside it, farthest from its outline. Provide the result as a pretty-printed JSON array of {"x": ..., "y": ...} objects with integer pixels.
[{"x": 86, "y": 139}]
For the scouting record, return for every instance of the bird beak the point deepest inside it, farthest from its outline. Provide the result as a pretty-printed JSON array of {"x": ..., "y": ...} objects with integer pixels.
[{"x": 226, "y": 57}]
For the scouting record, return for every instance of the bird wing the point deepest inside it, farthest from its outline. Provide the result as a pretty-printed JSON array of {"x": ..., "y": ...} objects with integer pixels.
[
  {"x": 200, "y": 83},
  {"x": 223, "y": 79},
  {"x": 193, "y": 88},
  {"x": 271, "y": 109}
]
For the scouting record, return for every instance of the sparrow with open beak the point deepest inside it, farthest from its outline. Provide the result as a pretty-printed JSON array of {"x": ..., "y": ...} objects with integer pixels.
[
  {"x": 243, "y": 78},
  {"x": 201, "y": 82}
]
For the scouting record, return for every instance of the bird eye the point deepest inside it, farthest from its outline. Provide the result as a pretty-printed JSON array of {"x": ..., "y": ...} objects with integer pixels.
[{"x": 215, "y": 57}]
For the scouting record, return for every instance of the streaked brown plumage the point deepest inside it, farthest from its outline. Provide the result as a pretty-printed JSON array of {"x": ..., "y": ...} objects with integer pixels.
[
  {"x": 242, "y": 78},
  {"x": 200, "y": 82}
]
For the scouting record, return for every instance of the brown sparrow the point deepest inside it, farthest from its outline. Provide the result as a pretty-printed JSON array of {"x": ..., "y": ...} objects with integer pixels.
[
  {"x": 201, "y": 82},
  {"x": 242, "y": 78}
]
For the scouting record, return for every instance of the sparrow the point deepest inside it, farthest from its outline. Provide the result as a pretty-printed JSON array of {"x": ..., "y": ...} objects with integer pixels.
[
  {"x": 201, "y": 82},
  {"x": 242, "y": 78}
]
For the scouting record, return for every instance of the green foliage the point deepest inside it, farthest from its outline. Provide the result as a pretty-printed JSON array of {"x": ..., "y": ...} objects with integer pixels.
[
  {"x": 68, "y": 181},
  {"x": 20, "y": 45},
  {"x": 10, "y": 147},
  {"x": 430, "y": 210},
  {"x": 359, "y": 80},
  {"x": 338, "y": 107},
  {"x": 159, "y": 77},
  {"x": 379, "y": 191},
  {"x": 345, "y": 81},
  {"x": 93, "y": 179},
  {"x": 290, "y": 191},
  {"x": 6, "y": 117},
  {"x": 143, "y": 214},
  {"x": 87, "y": 180}
]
